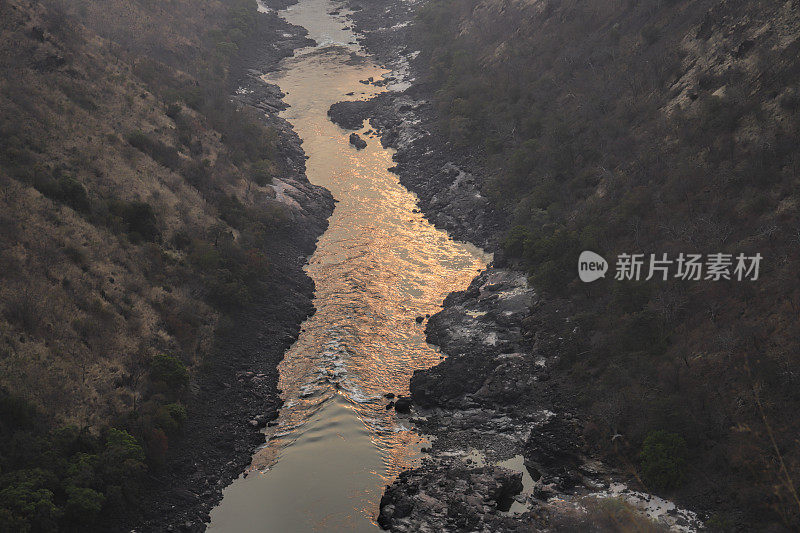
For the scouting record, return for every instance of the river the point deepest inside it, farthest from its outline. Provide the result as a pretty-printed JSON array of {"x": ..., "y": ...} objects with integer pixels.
[{"x": 379, "y": 265}]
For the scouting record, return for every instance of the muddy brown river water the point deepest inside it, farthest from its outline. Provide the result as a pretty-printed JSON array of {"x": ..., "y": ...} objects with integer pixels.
[{"x": 378, "y": 266}]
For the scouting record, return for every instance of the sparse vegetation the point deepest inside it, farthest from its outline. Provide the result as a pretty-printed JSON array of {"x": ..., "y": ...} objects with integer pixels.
[
  {"x": 126, "y": 235},
  {"x": 602, "y": 515},
  {"x": 604, "y": 127}
]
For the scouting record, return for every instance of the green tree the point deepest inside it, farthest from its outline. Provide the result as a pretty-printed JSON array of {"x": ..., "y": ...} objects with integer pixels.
[
  {"x": 123, "y": 457},
  {"x": 27, "y": 497},
  {"x": 169, "y": 370},
  {"x": 83, "y": 504},
  {"x": 663, "y": 460}
]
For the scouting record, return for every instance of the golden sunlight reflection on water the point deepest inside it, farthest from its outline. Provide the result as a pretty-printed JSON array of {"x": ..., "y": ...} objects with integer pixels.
[{"x": 378, "y": 266}]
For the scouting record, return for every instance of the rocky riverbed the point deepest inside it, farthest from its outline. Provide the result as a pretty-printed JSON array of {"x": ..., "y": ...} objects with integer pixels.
[
  {"x": 508, "y": 452},
  {"x": 236, "y": 395}
]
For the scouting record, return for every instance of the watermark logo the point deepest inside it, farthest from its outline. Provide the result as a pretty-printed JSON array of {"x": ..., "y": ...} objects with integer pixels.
[
  {"x": 689, "y": 267},
  {"x": 591, "y": 266}
]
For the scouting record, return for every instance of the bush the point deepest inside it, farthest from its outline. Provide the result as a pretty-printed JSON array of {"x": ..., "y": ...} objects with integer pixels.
[
  {"x": 157, "y": 446},
  {"x": 192, "y": 97},
  {"x": 198, "y": 174},
  {"x": 28, "y": 500},
  {"x": 177, "y": 412},
  {"x": 66, "y": 190},
  {"x": 15, "y": 413},
  {"x": 122, "y": 447},
  {"x": 81, "y": 470},
  {"x": 140, "y": 219},
  {"x": 73, "y": 479},
  {"x": 516, "y": 241},
  {"x": 225, "y": 291},
  {"x": 170, "y": 418},
  {"x": 663, "y": 460},
  {"x": 122, "y": 459},
  {"x": 262, "y": 172},
  {"x": 169, "y": 370},
  {"x": 157, "y": 150},
  {"x": 83, "y": 504},
  {"x": 74, "y": 254},
  {"x": 553, "y": 260},
  {"x": 205, "y": 257},
  {"x": 173, "y": 110}
]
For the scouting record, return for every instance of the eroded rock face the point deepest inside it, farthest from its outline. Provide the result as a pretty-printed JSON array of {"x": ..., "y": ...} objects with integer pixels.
[
  {"x": 480, "y": 331},
  {"x": 451, "y": 496},
  {"x": 553, "y": 456}
]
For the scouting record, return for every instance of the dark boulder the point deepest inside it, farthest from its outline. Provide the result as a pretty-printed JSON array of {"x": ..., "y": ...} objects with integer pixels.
[
  {"x": 403, "y": 404},
  {"x": 357, "y": 141},
  {"x": 553, "y": 451}
]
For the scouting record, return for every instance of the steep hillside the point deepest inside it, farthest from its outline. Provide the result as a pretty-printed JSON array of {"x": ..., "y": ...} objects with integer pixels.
[
  {"x": 137, "y": 217},
  {"x": 647, "y": 127}
]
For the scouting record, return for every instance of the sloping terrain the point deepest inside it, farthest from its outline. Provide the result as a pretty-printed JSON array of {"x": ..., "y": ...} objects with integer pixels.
[
  {"x": 620, "y": 127},
  {"x": 138, "y": 218},
  {"x": 648, "y": 127}
]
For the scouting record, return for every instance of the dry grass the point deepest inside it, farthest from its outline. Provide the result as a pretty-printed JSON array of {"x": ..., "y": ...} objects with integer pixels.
[
  {"x": 80, "y": 303},
  {"x": 606, "y": 515}
]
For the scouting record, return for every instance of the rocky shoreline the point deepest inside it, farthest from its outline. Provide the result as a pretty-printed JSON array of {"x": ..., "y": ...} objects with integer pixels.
[
  {"x": 493, "y": 409},
  {"x": 236, "y": 394},
  {"x": 503, "y": 441}
]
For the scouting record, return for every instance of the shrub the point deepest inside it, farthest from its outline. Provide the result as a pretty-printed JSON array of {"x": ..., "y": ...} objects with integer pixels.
[
  {"x": 523, "y": 159},
  {"x": 28, "y": 500},
  {"x": 81, "y": 470},
  {"x": 66, "y": 190},
  {"x": 170, "y": 417},
  {"x": 157, "y": 150},
  {"x": 173, "y": 110},
  {"x": 553, "y": 260},
  {"x": 640, "y": 331},
  {"x": 140, "y": 219},
  {"x": 192, "y": 97},
  {"x": 15, "y": 413},
  {"x": 516, "y": 241},
  {"x": 122, "y": 447},
  {"x": 74, "y": 194},
  {"x": 197, "y": 173},
  {"x": 169, "y": 370},
  {"x": 83, "y": 504},
  {"x": 177, "y": 412},
  {"x": 181, "y": 240},
  {"x": 606, "y": 514},
  {"x": 663, "y": 460},
  {"x": 262, "y": 172},
  {"x": 123, "y": 458},
  {"x": 75, "y": 254},
  {"x": 227, "y": 292},
  {"x": 716, "y": 116},
  {"x": 205, "y": 257}
]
